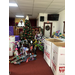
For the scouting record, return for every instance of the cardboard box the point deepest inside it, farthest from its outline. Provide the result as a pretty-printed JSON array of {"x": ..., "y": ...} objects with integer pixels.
[
  {"x": 58, "y": 62},
  {"x": 48, "y": 49},
  {"x": 11, "y": 45}
]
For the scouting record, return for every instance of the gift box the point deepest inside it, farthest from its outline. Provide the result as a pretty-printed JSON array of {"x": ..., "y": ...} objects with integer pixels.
[{"x": 11, "y": 45}]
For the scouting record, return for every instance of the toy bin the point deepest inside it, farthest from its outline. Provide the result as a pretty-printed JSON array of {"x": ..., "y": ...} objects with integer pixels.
[
  {"x": 58, "y": 62},
  {"x": 11, "y": 45},
  {"x": 48, "y": 49}
]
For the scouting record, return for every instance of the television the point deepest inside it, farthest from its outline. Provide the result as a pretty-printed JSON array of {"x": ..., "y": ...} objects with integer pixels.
[{"x": 52, "y": 17}]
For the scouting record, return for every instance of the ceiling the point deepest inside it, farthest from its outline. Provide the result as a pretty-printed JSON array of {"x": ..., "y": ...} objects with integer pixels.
[{"x": 34, "y": 7}]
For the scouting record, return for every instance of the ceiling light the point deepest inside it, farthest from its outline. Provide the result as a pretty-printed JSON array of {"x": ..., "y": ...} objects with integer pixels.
[
  {"x": 19, "y": 16},
  {"x": 13, "y": 4}
]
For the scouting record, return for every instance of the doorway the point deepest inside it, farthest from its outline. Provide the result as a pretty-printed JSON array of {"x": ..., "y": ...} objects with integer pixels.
[{"x": 47, "y": 29}]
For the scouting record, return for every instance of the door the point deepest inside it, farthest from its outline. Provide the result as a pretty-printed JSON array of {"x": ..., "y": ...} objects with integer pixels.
[{"x": 47, "y": 29}]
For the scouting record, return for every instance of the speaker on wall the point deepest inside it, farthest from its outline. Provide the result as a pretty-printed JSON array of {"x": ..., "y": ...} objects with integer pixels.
[{"x": 41, "y": 18}]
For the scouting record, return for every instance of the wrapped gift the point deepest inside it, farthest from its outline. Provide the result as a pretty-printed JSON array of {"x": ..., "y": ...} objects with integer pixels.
[{"x": 11, "y": 45}]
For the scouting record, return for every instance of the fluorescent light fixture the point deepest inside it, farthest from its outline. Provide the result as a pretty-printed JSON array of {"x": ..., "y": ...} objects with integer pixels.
[
  {"x": 13, "y": 4},
  {"x": 19, "y": 16}
]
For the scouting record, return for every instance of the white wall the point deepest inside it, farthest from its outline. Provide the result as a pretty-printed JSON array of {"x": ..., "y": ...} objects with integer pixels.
[
  {"x": 56, "y": 25},
  {"x": 41, "y": 24},
  {"x": 61, "y": 19}
]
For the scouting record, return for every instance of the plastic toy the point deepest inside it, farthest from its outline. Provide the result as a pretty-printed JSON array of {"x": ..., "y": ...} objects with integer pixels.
[
  {"x": 16, "y": 52},
  {"x": 40, "y": 47},
  {"x": 35, "y": 46},
  {"x": 24, "y": 54},
  {"x": 16, "y": 57},
  {"x": 31, "y": 46},
  {"x": 26, "y": 59},
  {"x": 38, "y": 44},
  {"x": 13, "y": 58}
]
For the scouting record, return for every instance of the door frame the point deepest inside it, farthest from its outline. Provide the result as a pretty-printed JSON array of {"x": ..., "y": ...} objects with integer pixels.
[
  {"x": 64, "y": 27},
  {"x": 50, "y": 27}
]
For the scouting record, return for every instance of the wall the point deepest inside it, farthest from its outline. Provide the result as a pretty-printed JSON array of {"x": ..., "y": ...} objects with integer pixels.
[
  {"x": 56, "y": 25},
  {"x": 18, "y": 19},
  {"x": 33, "y": 22},
  {"x": 61, "y": 19},
  {"x": 40, "y": 24},
  {"x": 11, "y": 21}
]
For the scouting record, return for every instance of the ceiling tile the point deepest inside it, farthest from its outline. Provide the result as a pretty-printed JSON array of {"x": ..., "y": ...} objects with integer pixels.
[
  {"x": 13, "y": 8},
  {"x": 38, "y": 11},
  {"x": 17, "y": 13},
  {"x": 25, "y": 1},
  {"x": 57, "y": 4},
  {"x": 39, "y": 5},
  {"x": 25, "y": 5},
  {"x": 43, "y": 0},
  {"x": 39, "y": 8},
  {"x": 50, "y": 12},
  {"x": 25, "y": 8},
  {"x": 36, "y": 6},
  {"x": 25, "y": 12},
  {"x": 52, "y": 6},
  {"x": 52, "y": 9},
  {"x": 63, "y": 8},
  {"x": 45, "y": 3},
  {"x": 12, "y": 1},
  {"x": 59, "y": 1}
]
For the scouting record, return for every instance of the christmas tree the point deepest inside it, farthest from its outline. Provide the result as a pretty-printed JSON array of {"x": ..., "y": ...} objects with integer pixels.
[{"x": 27, "y": 30}]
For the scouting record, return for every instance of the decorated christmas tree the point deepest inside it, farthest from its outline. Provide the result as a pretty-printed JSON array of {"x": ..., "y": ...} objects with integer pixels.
[{"x": 27, "y": 30}]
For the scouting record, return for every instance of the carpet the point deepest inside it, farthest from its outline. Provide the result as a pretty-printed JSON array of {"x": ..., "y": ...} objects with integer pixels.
[{"x": 36, "y": 67}]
